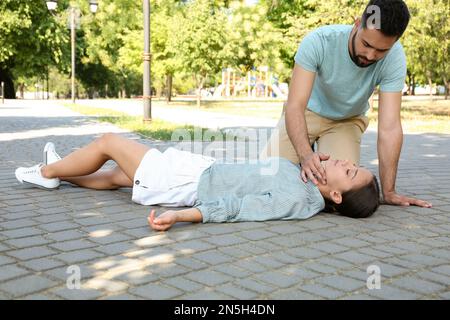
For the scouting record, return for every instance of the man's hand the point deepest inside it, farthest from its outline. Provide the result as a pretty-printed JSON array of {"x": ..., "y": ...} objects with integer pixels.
[
  {"x": 162, "y": 222},
  {"x": 394, "y": 198},
  {"x": 312, "y": 168}
]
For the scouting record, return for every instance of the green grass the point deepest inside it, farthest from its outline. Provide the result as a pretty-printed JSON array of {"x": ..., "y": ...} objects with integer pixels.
[
  {"x": 156, "y": 129},
  {"x": 421, "y": 116},
  {"x": 417, "y": 116}
]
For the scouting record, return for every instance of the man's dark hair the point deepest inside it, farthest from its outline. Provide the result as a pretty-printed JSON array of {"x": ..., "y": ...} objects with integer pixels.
[
  {"x": 358, "y": 203},
  {"x": 394, "y": 16}
]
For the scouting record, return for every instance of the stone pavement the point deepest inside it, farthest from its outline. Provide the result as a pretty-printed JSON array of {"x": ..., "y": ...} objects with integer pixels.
[{"x": 45, "y": 236}]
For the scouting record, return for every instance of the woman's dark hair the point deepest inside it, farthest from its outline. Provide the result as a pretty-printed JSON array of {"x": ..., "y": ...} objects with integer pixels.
[
  {"x": 394, "y": 16},
  {"x": 358, "y": 203}
]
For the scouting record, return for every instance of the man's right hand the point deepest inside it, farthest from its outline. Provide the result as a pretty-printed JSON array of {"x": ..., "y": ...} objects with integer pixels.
[{"x": 312, "y": 168}]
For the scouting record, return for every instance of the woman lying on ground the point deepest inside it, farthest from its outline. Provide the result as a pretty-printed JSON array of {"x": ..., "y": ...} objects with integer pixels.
[{"x": 266, "y": 190}]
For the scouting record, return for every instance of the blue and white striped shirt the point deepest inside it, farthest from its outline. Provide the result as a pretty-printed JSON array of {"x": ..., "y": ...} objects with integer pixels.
[{"x": 251, "y": 192}]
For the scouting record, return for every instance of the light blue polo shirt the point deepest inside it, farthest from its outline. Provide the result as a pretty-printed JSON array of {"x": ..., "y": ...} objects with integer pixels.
[{"x": 341, "y": 88}]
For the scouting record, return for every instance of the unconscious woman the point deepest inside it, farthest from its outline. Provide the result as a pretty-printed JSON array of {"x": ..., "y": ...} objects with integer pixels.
[{"x": 269, "y": 189}]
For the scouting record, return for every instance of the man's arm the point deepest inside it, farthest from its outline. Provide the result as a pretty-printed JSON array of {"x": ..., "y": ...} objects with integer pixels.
[
  {"x": 300, "y": 91},
  {"x": 390, "y": 140}
]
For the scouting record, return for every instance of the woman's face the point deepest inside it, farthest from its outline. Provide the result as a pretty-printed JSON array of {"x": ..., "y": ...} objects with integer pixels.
[{"x": 343, "y": 176}]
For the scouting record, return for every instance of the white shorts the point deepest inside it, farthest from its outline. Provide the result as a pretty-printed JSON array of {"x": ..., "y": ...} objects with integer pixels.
[{"x": 170, "y": 178}]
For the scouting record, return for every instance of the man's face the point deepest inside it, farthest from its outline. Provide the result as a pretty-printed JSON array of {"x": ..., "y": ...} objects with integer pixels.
[{"x": 369, "y": 45}]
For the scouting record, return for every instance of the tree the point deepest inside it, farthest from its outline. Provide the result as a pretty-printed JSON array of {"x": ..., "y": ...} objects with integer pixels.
[
  {"x": 200, "y": 40},
  {"x": 30, "y": 40}
]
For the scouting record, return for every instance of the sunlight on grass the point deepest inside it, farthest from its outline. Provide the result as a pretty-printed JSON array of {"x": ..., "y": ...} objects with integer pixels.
[{"x": 157, "y": 129}]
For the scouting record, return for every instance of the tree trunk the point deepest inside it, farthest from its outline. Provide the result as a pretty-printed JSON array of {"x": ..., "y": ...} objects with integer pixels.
[
  {"x": 199, "y": 91},
  {"x": 21, "y": 90},
  {"x": 430, "y": 83},
  {"x": 413, "y": 91},
  {"x": 169, "y": 80},
  {"x": 5, "y": 76}
]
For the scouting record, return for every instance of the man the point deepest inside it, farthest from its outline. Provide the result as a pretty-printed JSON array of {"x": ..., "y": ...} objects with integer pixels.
[{"x": 336, "y": 70}]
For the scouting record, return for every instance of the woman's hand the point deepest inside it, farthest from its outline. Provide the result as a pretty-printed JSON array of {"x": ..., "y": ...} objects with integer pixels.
[{"x": 164, "y": 221}]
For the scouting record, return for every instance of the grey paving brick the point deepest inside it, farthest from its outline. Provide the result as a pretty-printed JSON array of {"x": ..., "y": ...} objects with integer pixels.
[
  {"x": 194, "y": 245},
  {"x": 225, "y": 240},
  {"x": 417, "y": 285},
  {"x": 354, "y": 257},
  {"x": 277, "y": 278},
  {"x": 5, "y": 260},
  {"x": 109, "y": 239},
  {"x": 352, "y": 243},
  {"x": 11, "y": 271},
  {"x": 31, "y": 253},
  {"x": 28, "y": 241},
  {"x": 328, "y": 247},
  {"x": 297, "y": 294},
  {"x": 116, "y": 248},
  {"x": 388, "y": 292},
  {"x": 319, "y": 290},
  {"x": 444, "y": 269},
  {"x": 78, "y": 256},
  {"x": 232, "y": 270},
  {"x": 435, "y": 277},
  {"x": 305, "y": 253},
  {"x": 72, "y": 245},
  {"x": 342, "y": 283},
  {"x": 183, "y": 284},
  {"x": 205, "y": 295},
  {"x": 257, "y": 234},
  {"x": 156, "y": 292},
  {"x": 16, "y": 224},
  {"x": 41, "y": 264},
  {"x": 256, "y": 286},
  {"x": 22, "y": 232},
  {"x": 77, "y": 294},
  {"x": 26, "y": 285},
  {"x": 208, "y": 278},
  {"x": 66, "y": 235},
  {"x": 58, "y": 226},
  {"x": 213, "y": 257},
  {"x": 237, "y": 292}
]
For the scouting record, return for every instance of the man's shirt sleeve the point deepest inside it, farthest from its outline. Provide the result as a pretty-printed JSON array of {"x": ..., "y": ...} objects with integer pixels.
[
  {"x": 394, "y": 73},
  {"x": 310, "y": 52}
]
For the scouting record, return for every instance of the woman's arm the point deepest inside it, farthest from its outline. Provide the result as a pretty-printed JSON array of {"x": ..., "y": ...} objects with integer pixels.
[{"x": 170, "y": 217}]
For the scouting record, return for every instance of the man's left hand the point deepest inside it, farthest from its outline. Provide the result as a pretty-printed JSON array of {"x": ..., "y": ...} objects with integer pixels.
[{"x": 396, "y": 199}]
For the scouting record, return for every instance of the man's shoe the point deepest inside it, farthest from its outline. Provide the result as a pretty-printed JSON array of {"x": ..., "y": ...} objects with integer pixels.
[
  {"x": 50, "y": 155},
  {"x": 33, "y": 176}
]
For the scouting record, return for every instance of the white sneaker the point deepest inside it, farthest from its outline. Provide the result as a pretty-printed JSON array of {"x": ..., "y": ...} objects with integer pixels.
[
  {"x": 33, "y": 176},
  {"x": 50, "y": 155}
]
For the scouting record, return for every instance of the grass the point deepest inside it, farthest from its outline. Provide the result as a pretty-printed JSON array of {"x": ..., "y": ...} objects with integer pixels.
[
  {"x": 418, "y": 116},
  {"x": 157, "y": 129}
]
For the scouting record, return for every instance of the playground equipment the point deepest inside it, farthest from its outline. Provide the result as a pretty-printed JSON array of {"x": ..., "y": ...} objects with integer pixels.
[{"x": 258, "y": 82}]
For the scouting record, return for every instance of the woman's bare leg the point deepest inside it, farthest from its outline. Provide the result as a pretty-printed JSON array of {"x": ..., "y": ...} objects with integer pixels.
[
  {"x": 87, "y": 160},
  {"x": 102, "y": 180}
]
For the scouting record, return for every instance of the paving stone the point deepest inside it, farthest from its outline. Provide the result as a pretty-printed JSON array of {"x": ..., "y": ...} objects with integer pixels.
[
  {"x": 41, "y": 264},
  {"x": 31, "y": 253},
  {"x": 78, "y": 294},
  {"x": 417, "y": 285},
  {"x": 236, "y": 292},
  {"x": 388, "y": 292},
  {"x": 11, "y": 271},
  {"x": 26, "y": 285},
  {"x": 156, "y": 292},
  {"x": 342, "y": 283},
  {"x": 322, "y": 291},
  {"x": 28, "y": 241},
  {"x": 208, "y": 278}
]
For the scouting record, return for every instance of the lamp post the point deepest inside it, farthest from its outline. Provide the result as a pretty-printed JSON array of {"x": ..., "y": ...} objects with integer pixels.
[
  {"x": 93, "y": 6},
  {"x": 147, "y": 95}
]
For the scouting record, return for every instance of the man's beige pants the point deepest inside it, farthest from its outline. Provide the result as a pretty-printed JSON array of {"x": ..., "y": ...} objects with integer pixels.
[{"x": 341, "y": 139}]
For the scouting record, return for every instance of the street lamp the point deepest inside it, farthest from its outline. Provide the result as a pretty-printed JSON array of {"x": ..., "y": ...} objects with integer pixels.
[
  {"x": 147, "y": 94},
  {"x": 93, "y": 6}
]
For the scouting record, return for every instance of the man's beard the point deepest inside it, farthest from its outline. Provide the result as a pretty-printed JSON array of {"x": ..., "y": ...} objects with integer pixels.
[{"x": 355, "y": 58}]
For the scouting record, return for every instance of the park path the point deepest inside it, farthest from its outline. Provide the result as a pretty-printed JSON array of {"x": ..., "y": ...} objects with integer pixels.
[{"x": 46, "y": 236}]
